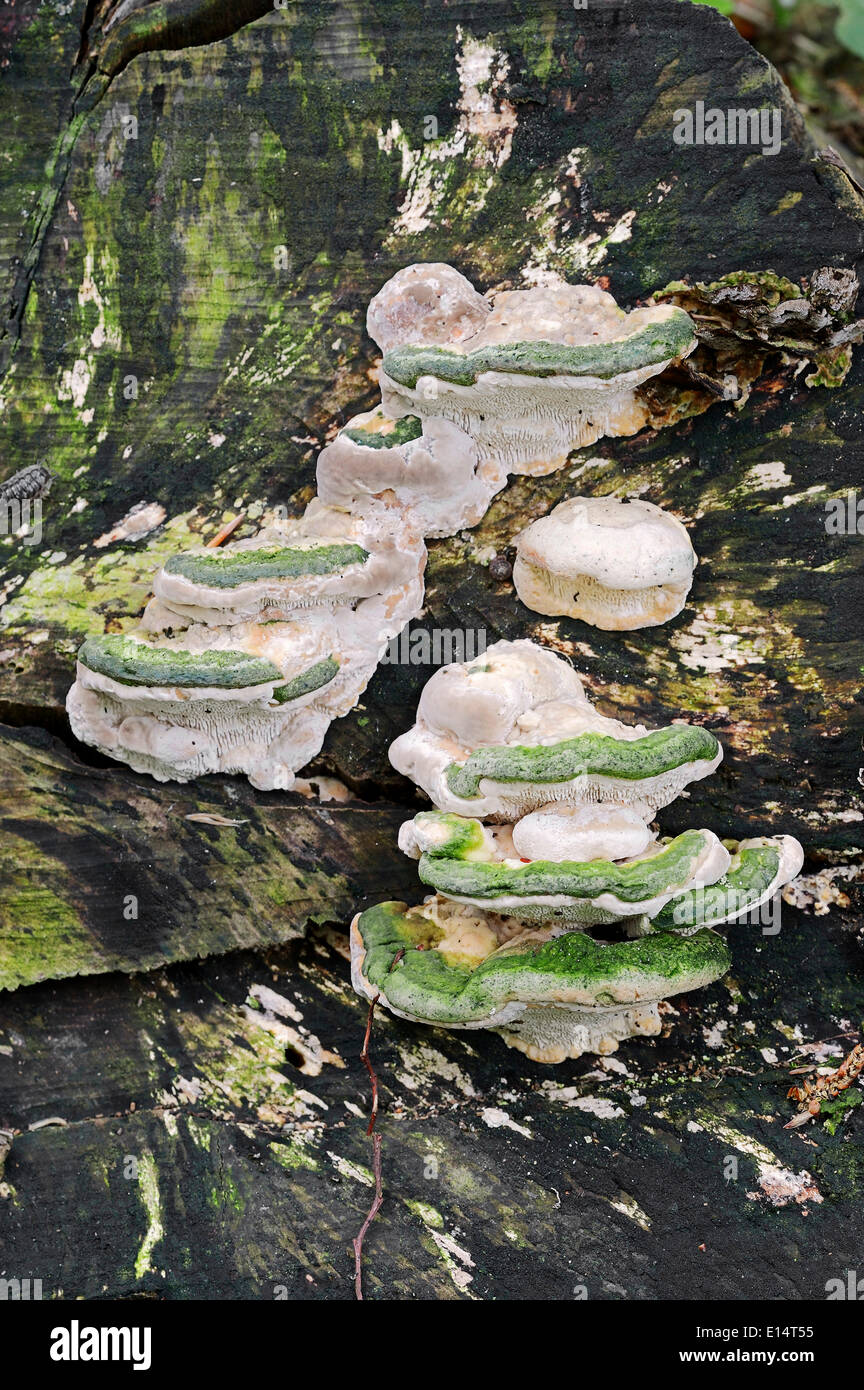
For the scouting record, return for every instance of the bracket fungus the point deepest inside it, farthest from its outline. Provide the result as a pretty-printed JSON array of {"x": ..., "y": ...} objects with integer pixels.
[
  {"x": 564, "y": 922},
  {"x": 431, "y": 467},
  {"x": 552, "y": 997},
  {"x": 529, "y": 374},
  {"x": 258, "y": 706},
  {"x": 247, "y": 653},
  {"x": 328, "y": 559},
  {"x": 513, "y": 730},
  {"x": 758, "y": 869},
  {"x": 615, "y": 564},
  {"x": 590, "y": 831},
  {"x": 464, "y": 861}
]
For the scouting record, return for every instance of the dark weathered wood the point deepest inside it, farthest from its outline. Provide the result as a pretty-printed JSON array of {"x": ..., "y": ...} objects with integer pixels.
[
  {"x": 248, "y": 1129},
  {"x": 103, "y": 870}
]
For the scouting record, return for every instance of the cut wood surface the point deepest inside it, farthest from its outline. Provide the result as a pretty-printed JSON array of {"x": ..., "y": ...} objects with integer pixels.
[{"x": 195, "y": 213}]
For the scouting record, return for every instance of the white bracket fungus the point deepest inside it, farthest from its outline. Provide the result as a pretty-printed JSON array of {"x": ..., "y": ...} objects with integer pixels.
[
  {"x": 615, "y": 564},
  {"x": 430, "y": 467},
  {"x": 315, "y": 601},
  {"x": 530, "y": 374},
  {"x": 513, "y": 731}
]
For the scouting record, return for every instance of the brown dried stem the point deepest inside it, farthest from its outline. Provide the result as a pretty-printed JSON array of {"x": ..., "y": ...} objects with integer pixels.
[
  {"x": 376, "y": 1146},
  {"x": 370, "y": 1217}
]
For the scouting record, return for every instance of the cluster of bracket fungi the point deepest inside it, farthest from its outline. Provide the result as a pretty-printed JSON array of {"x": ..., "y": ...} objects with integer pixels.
[
  {"x": 558, "y": 915},
  {"x": 560, "y": 919}
]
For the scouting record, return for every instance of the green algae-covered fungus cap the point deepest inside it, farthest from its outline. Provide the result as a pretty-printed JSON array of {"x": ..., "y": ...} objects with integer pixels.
[
  {"x": 668, "y": 336},
  {"x": 398, "y": 953},
  {"x": 454, "y": 873},
  {"x": 380, "y": 433},
  {"x": 128, "y": 662},
  {"x": 308, "y": 681},
  {"x": 463, "y": 861},
  {"x": 760, "y": 867},
  {"x": 228, "y": 569},
  {"x": 586, "y": 755}
]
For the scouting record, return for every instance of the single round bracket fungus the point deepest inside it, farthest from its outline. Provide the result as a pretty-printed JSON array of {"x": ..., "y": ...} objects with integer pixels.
[
  {"x": 615, "y": 564},
  {"x": 513, "y": 731},
  {"x": 431, "y": 468},
  {"x": 544, "y": 371},
  {"x": 552, "y": 997}
]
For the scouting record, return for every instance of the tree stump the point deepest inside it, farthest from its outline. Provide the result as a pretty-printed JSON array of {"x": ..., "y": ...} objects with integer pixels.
[{"x": 195, "y": 218}]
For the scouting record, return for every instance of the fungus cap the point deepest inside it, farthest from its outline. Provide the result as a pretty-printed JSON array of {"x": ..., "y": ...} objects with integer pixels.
[
  {"x": 468, "y": 863},
  {"x": 308, "y": 607},
  {"x": 759, "y": 868},
  {"x": 480, "y": 701},
  {"x": 431, "y": 468},
  {"x": 552, "y": 997},
  {"x": 615, "y": 564},
  {"x": 255, "y": 699},
  {"x": 328, "y": 557},
  {"x": 513, "y": 731},
  {"x": 543, "y": 371},
  {"x": 428, "y": 302},
  {"x": 581, "y": 833}
]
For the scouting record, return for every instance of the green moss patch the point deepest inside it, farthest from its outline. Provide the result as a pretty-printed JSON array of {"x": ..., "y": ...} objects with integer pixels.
[
  {"x": 321, "y": 674},
  {"x": 398, "y": 432}
]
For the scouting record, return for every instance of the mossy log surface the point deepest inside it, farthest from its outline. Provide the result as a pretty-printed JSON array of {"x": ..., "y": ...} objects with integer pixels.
[
  {"x": 216, "y": 1147},
  {"x": 103, "y": 870},
  {"x": 195, "y": 213}
]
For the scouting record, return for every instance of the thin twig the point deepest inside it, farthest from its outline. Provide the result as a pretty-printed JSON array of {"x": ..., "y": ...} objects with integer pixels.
[
  {"x": 830, "y": 156},
  {"x": 364, "y": 1058},
  {"x": 370, "y": 1217},
  {"x": 227, "y": 530},
  {"x": 376, "y": 1143}
]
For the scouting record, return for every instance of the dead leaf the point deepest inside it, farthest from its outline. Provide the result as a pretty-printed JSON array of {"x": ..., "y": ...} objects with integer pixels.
[{"x": 798, "y": 1120}]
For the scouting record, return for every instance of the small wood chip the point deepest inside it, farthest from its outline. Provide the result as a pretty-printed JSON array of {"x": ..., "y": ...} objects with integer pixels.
[
  {"x": 204, "y": 818},
  {"x": 803, "y": 1119},
  {"x": 227, "y": 530}
]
